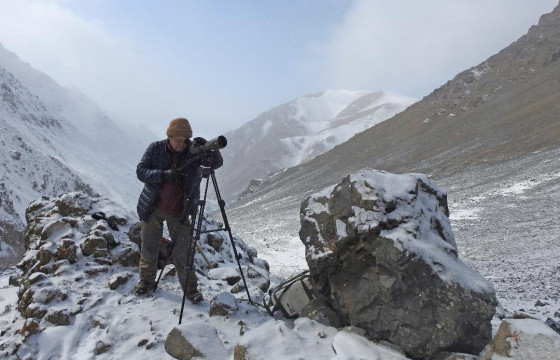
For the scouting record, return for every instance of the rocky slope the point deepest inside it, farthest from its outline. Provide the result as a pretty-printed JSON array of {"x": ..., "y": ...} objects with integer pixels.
[
  {"x": 507, "y": 133},
  {"x": 501, "y": 109},
  {"x": 55, "y": 140},
  {"x": 78, "y": 272}
]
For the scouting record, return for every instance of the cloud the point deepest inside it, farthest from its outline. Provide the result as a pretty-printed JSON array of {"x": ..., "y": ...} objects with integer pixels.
[
  {"x": 413, "y": 47},
  {"x": 114, "y": 72}
]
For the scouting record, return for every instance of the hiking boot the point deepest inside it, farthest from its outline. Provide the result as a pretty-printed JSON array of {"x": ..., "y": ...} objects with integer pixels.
[
  {"x": 143, "y": 287},
  {"x": 194, "y": 296}
]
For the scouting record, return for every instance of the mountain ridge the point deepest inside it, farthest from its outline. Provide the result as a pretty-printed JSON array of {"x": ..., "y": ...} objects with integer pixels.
[
  {"x": 56, "y": 141},
  {"x": 458, "y": 116},
  {"x": 299, "y": 130}
]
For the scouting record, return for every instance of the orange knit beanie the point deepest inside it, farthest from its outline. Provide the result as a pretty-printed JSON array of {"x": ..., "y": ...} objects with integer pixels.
[{"x": 179, "y": 127}]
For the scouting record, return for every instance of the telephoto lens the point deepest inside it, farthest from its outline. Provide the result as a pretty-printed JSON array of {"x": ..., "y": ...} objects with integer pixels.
[{"x": 216, "y": 143}]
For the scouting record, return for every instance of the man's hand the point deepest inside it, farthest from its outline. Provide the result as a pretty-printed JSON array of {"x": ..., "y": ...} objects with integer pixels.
[{"x": 170, "y": 175}]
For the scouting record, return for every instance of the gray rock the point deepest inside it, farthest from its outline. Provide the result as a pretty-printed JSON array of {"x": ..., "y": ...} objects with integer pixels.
[
  {"x": 134, "y": 234},
  {"x": 179, "y": 347},
  {"x": 58, "y": 317},
  {"x": 67, "y": 251},
  {"x": 74, "y": 204},
  {"x": 258, "y": 277},
  {"x": 322, "y": 313},
  {"x": 101, "y": 348},
  {"x": 382, "y": 253},
  {"x": 128, "y": 256},
  {"x": 119, "y": 279},
  {"x": 16, "y": 155},
  {"x": 55, "y": 227},
  {"x": 215, "y": 242},
  {"x": 195, "y": 340},
  {"x": 223, "y": 304},
  {"x": 93, "y": 244}
]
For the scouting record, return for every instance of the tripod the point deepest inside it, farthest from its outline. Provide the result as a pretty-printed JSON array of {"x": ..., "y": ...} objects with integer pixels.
[{"x": 208, "y": 173}]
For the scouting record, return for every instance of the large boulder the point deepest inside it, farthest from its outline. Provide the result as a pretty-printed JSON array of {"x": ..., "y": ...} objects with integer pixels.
[{"x": 382, "y": 254}]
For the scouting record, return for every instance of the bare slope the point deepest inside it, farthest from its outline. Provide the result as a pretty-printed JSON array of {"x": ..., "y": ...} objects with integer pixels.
[{"x": 502, "y": 109}]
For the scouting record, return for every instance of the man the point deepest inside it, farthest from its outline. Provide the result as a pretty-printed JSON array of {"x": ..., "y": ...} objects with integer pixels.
[{"x": 171, "y": 177}]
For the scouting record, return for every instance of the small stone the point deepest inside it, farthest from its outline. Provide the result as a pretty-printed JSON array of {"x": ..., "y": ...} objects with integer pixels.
[
  {"x": 93, "y": 243},
  {"x": 142, "y": 342},
  {"x": 96, "y": 270},
  {"x": 16, "y": 155},
  {"x": 128, "y": 257},
  {"x": 237, "y": 288},
  {"x": 35, "y": 278},
  {"x": 118, "y": 280},
  {"x": 223, "y": 304},
  {"x": 30, "y": 327},
  {"x": 67, "y": 251},
  {"x": 215, "y": 242},
  {"x": 101, "y": 348},
  {"x": 14, "y": 280},
  {"x": 58, "y": 317}
]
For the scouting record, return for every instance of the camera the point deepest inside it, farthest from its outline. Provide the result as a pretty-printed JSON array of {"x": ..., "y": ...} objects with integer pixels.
[{"x": 201, "y": 145}]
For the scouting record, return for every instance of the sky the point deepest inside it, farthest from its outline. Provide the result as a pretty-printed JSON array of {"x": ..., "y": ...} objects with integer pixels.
[{"x": 222, "y": 63}]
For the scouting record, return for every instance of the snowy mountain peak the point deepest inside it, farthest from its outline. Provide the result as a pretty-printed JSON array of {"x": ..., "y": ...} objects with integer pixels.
[
  {"x": 324, "y": 105},
  {"x": 300, "y": 130}
]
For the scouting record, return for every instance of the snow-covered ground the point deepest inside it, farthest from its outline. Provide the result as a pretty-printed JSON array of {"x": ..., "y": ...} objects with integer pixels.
[
  {"x": 506, "y": 221},
  {"x": 117, "y": 324}
]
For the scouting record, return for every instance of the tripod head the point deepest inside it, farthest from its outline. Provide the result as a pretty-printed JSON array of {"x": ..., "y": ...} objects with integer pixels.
[{"x": 205, "y": 171}]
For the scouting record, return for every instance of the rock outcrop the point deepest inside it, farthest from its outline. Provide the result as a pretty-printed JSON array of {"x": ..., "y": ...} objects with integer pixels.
[
  {"x": 80, "y": 267},
  {"x": 67, "y": 249},
  {"x": 382, "y": 254}
]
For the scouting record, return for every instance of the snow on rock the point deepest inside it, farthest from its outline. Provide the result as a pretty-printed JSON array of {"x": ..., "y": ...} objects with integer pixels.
[
  {"x": 197, "y": 340},
  {"x": 308, "y": 339},
  {"x": 277, "y": 340},
  {"x": 229, "y": 274},
  {"x": 223, "y": 304},
  {"x": 76, "y": 278},
  {"x": 523, "y": 339},
  {"x": 382, "y": 253},
  {"x": 55, "y": 141},
  {"x": 347, "y": 343}
]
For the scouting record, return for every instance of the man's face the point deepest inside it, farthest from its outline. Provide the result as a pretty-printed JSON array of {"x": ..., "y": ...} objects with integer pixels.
[{"x": 178, "y": 143}]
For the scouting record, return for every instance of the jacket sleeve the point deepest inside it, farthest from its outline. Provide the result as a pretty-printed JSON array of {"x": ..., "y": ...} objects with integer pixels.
[{"x": 146, "y": 171}]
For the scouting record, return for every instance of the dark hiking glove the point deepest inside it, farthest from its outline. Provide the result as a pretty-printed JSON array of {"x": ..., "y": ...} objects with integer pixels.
[{"x": 170, "y": 175}]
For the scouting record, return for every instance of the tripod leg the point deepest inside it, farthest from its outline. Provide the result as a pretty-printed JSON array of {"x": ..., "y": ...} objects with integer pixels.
[
  {"x": 192, "y": 247},
  {"x": 221, "y": 202}
]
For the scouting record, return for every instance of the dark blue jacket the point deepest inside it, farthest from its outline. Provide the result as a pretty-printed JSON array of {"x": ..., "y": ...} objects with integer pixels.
[{"x": 158, "y": 158}]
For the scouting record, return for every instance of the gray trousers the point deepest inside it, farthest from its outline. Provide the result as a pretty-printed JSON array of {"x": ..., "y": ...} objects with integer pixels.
[{"x": 152, "y": 232}]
